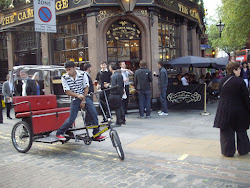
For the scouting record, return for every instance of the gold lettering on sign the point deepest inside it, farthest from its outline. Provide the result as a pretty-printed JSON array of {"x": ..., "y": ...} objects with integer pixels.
[
  {"x": 195, "y": 15},
  {"x": 63, "y": 4},
  {"x": 29, "y": 13},
  {"x": 183, "y": 9}
]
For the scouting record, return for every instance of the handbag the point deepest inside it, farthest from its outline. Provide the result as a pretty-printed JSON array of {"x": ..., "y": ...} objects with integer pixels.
[{"x": 115, "y": 101}]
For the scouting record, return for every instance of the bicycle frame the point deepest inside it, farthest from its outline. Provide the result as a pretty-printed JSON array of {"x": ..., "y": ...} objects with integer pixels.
[{"x": 108, "y": 125}]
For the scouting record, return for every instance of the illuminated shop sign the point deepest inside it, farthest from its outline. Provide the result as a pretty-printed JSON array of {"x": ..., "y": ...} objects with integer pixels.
[{"x": 27, "y": 15}]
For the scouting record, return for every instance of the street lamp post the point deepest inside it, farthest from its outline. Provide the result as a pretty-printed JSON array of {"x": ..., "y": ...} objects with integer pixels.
[{"x": 220, "y": 27}]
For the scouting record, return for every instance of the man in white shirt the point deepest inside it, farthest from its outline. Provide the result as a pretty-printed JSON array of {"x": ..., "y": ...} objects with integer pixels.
[
  {"x": 29, "y": 86},
  {"x": 184, "y": 79},
  {"x": 76, "y": 85},
  {"x": 125, "y": 74}
]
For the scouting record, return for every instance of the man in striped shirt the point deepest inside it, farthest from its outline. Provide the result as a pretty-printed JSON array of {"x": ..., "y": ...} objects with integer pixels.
[{"x": 76, "y": 85}]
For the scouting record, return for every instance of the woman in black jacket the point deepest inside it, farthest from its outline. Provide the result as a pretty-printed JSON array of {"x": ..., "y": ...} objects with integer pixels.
[{"x": 233, "y": 113}]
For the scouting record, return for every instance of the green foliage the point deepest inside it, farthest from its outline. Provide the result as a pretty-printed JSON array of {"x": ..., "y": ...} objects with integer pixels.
[
  {"x": 4, "y": 4},
  {"x": 235, "y": 15}
]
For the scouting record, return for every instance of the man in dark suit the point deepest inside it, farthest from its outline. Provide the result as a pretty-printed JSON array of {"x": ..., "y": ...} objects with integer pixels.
[
  {"x": 29, "y": 86},
  {"x": 117, "y": 80},
  {"x": 8, "y": 94}
]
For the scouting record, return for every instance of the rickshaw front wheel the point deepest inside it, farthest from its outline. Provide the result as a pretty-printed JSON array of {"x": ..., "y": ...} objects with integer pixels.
[
  {"x": 117, "y": 144},
  {"x": 21, "y": 137}
]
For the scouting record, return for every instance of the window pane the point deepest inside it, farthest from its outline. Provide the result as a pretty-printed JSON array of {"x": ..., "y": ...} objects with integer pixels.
[
  {"x": 135, "y": 53},
  {"x": 86, "y": 40},
  {"x": 57, "y": 58},
  {"x": 81, "y": 56},
  {"x": 80, "y": 28},
  {"x": 68, "y": 43},
  {"x": 73, "y": 42},
  {"x": 80, "y": 42},
  {"x": 87, "y": 54},
  {"x": 110, "y": 43},
  {"x": 85, "y": 28},
  {"x": 68, "y": 55},
  {"x": 62, "y": 57},
  {"x": 134, "y": 43},
  {"x": 67, "y": 30},
  {"x": 75, "y": 55},
  {"x": 160, "y": 53},
  {"x": 73, "y": 29}
]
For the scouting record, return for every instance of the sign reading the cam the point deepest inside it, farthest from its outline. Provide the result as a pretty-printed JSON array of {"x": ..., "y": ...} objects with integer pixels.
[
  {"x": 24, "y": 15},
  {"x": 191, "y": 12}
]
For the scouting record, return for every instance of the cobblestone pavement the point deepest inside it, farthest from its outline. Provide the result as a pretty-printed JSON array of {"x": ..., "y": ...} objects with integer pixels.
[{"x": 75, "y": 164}]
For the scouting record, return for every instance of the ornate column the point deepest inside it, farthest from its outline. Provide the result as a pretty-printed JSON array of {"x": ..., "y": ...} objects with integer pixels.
[
  {"x": 10, "y": 49},
  {"x": 183, "y": 41},
  {"x": 194, "y": 41}
]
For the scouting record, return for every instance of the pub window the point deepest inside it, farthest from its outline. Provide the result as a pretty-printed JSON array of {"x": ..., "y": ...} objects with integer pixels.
[
  {"x": 189, "y": 41},
  {"x": 3, "y": 50},
  {"x": 71, "y": 43},
  {"x": 168, "y": 39},
  {"x": 123, "y": 42},
  {"x": 25, "y": 41}
]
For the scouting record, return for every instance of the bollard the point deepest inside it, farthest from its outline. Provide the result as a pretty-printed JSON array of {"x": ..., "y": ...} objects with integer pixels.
[
  {"x": 1, "y": 110},
  {"x": 205, "y": 113}
]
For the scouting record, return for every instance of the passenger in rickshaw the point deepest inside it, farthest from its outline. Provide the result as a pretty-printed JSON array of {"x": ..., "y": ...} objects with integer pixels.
[
  {"x": 28, "y": 85},
  {"x": 39, "y": 84},
  {"x": 76, "y": 85}
]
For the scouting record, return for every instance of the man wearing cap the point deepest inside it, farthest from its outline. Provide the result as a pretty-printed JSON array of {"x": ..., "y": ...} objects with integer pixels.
[{"x": 76, "y": 85}]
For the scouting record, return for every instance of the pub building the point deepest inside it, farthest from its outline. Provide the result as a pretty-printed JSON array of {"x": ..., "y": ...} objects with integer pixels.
[{"x": 91, "y": 31}]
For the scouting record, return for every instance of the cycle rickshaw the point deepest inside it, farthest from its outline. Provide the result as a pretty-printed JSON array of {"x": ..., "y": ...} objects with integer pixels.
[{"x": 41, "y": 117}]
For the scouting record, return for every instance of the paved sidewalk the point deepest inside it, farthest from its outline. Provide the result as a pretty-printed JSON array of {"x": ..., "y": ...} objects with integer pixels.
[{"x": 179, "y": 150}]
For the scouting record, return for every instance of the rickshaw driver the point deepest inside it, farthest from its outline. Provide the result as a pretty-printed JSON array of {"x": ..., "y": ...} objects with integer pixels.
[{"x": 76, "y": 85}]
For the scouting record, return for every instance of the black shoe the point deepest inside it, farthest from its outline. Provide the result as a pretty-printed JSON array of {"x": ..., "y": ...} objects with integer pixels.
[
  {"x": 9, "y": 118},
  {"x": 104, "y": 121},
  {"x": 123, "y": 122}
]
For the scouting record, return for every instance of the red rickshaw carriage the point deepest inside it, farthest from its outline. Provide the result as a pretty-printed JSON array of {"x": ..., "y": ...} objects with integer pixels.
[{"x": 42, "y": 115}]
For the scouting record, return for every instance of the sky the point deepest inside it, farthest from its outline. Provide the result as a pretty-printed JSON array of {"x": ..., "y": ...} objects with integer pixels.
[{"x": 211, "y": 6}]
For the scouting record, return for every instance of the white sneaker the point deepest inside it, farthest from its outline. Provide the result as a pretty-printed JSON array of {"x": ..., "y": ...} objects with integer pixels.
[
  {"x": 159, "y": 112},
  {"x": 163, "y": 114}
]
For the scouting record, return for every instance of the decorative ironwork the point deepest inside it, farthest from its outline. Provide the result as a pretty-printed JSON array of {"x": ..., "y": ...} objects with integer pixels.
[
  {"x": 168, "y": 2},
  {"x": 123, "y": 30}
]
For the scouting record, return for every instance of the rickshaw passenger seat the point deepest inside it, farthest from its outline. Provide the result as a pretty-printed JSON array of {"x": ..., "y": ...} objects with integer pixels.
[{"x": 44, "y": 112}]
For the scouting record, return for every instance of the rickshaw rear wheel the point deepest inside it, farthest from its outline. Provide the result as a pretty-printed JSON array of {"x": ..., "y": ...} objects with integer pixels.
[
  {"x": 117, "y": 144},
  {"x": 21, "y": 137}
]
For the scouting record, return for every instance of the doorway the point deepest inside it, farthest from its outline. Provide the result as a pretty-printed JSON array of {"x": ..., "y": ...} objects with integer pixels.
[{"x": 124, "y": 43}]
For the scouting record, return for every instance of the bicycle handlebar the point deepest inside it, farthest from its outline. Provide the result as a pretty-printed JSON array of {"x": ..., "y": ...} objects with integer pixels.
[{"x": 99, "y": 91}]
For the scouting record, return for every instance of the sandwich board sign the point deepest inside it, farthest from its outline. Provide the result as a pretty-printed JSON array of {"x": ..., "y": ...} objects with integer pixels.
[{"x": 45, "y": 16}]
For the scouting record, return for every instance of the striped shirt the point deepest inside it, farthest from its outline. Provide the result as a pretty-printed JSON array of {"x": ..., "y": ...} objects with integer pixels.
[{"x": 76, "y": 86}]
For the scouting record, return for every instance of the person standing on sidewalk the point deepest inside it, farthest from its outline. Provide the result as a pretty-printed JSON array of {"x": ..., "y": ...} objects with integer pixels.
[
  {"x": 8, "y": 94},
  {"x": 103, "y": 78},
  {"x": 142, "y": 79},
  {"x": 76, "y": 85},
  {"x": 125, "y": 74},
  {"x": 87, "y": 70},
  {"x": 233, "y": 112},
  {"x": 163, "y": 85},
  {"x": 116, "y": 94}
]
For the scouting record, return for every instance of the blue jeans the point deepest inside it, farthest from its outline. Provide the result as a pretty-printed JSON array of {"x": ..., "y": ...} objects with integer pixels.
[
  {"x": 74, "y": 108},
  {"x": 144, "y": 101},
  {"x": 163, "y": 99}
]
